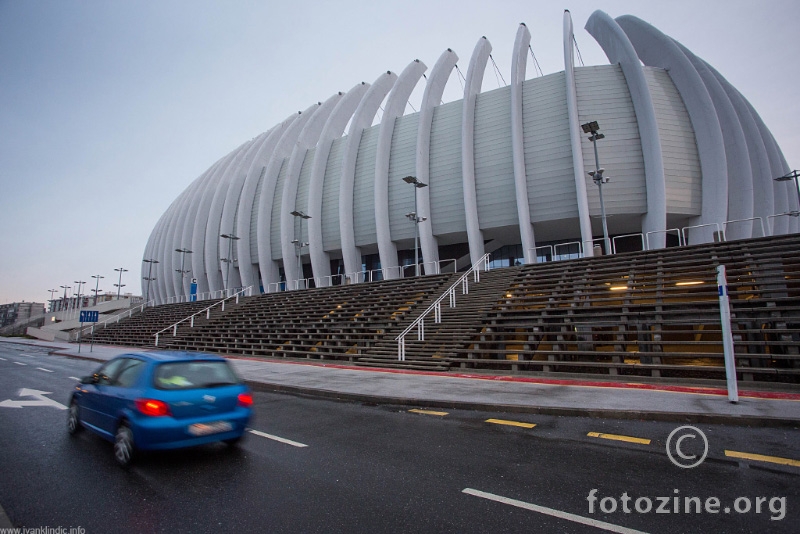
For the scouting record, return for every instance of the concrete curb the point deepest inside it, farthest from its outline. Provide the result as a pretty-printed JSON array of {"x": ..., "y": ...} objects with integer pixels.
[
  {"x": 5, "y": 522},
  {"x": 698, "y": 418}
]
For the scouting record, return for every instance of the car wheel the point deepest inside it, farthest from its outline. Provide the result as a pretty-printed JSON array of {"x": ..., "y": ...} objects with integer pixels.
[
  {"x": 123, "y": 445},
  {"x": 233, "y": 441},
  {"x": 73, "y": 422}
]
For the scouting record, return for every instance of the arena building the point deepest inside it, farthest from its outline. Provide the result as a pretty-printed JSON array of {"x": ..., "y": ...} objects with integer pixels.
[{"x": 503, "y": 172}]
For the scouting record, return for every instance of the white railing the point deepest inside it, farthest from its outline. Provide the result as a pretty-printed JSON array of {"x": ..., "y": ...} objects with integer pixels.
[
  {"x": 436, "y": 307},
  {"x": 720, "y": 233},
  {"x": 558, "y": 256},
  {"x": 667, "y": 231},
  {"x": 115, "y": 319},
  {"x": 614, "y": 241},
  {"x": 207, "y": 311}
]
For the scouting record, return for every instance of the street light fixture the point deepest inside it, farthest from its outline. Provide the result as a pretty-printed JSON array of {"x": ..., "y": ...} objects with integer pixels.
[
  {"x": 120, "y": 285},
  {"x": 793, "y": 175},
  {"x": 184, "y": 251},
  {"x": 413, "y": 216},
  {"x": 51, "y": 298},
  {"x": 149, "y": 277},
  {"x": 64, "y": 305},
  {"x": 597, "y": 175},
  {"x": 231, "y": 238},
  {"x": 300, "y": 244},
  {"x": 96, "y": 286},
  {"x": 80, "y": 283}
]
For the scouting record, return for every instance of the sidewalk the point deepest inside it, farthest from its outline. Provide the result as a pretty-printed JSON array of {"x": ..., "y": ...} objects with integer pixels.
[{"x": 507, "y": 393}]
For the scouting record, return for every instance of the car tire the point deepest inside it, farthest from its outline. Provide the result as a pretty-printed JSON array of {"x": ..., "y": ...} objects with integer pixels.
[
  {"x": 233, "y": 441},
  {"x": 73, "y": 421},
  {"x": 124, "y": 447}
]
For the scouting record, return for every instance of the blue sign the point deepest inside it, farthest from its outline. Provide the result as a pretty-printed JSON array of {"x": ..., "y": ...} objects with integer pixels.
[
  {"x": 90, "y": 316},
  {"x": 193, "y": 290}
]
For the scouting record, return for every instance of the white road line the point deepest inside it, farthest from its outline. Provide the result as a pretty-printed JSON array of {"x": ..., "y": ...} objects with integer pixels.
[
  {"x": 75, "y": 378},
  {"x": 20, "y": 363},
  {"x": 3, "y": 359},
  {"x": 45, "y": 370},
  {"x": 276, "y": 438},
  {"x": 551, "y": 512}
]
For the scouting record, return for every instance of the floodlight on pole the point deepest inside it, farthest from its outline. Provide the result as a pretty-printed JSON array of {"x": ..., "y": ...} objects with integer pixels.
[
  {"x": 96, "y": 286},
  {"x": 299, "y": 244},
  {"x": 793, "y": 175},
  {"x": 120, "y": 285},
  {"x": 51, "y": 298},
  {"x": 183, "y": 251},
  {"x": 80, "y": 283},
  {"x": 231, "y": 238},
  {"x": 597, "y": 176},
  {"x": 149, "y": 277},
  {"x": 64, "y": 305},
  {"x": 415, "y": 218}
]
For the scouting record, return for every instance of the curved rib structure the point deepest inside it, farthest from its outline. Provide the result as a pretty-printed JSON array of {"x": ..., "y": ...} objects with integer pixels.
[
  {"x": 430, "y": 100},
  {"x": 472, "y": 86},
  {"x": 395, "y": 105},
  {"x": 682, "y": 147},
  {"x": 519, "y": 62}
]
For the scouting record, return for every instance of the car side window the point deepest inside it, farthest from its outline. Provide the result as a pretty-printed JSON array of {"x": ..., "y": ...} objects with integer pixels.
[
  {"x": 129, "y": 374},
  {"x": 106, "y": 373}
]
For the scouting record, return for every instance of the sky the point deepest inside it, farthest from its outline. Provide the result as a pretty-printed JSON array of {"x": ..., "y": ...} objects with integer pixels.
[{"x": 109, "y": 109}]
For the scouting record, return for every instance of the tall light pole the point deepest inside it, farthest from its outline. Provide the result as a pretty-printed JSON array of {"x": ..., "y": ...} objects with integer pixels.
[
  {"x": 51, "y": 298},
  {"x": 597, "y": 176},
  {"x": 120, "y": 285},
  {"x": 183, "y": 251},
  {"x": 414, "y": 216},
  {"x": 64, "y": 305},
  {"x": 231, "y": 238},
  {"x": 299, "y": 244},
  {"x": 150, "y": 277},
  {"x": 793, "y": 175},
  {"x": 96, "y": 286},
  {"x": 80, "y": 283}
]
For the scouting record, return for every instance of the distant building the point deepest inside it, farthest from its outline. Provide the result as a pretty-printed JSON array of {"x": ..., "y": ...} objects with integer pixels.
[{"x": 19, "y": 312}]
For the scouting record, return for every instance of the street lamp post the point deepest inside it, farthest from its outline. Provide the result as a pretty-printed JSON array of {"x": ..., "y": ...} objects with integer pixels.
[
  {"x": 300, "y": 244},
  {"x": 149, "y": 277},
  {"x": 80, "y": 283},
  {"x": 231, "y": 238},
  {"x": 415, "y": 218},
  {"x": 51, "y": 298},
  {"x": 793, "y": 175},
  {"x": 64, "y": 305},
  {"x": 597, "y": 175},
  {"x": 96, "y": 286},
  {"x": 184, "y": 251},
  {"x": 120, "y": 285}
]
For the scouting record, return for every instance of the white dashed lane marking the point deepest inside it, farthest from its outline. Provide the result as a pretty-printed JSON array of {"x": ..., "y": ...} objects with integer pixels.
[
  {"x": 45, "y": 370},
  {"x": 279, "y": 439},
  {"x": 20, "y": 363}
]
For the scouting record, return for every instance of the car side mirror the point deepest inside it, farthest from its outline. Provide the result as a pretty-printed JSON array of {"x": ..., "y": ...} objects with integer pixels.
[{"x": 88, "y": 380}]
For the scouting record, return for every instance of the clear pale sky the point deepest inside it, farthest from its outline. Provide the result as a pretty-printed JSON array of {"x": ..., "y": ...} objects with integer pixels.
[{"x": 110, "y": 108}]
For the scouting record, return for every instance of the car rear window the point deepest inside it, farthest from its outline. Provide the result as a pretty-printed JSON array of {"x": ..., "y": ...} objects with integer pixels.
[{"x": 194, "y": 375}]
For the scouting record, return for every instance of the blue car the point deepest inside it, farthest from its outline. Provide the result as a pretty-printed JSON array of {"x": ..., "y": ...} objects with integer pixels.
[{"x": 161, "y": 400}]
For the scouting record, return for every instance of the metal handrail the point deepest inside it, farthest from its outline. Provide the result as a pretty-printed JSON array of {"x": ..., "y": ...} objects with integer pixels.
[
  {"x": 207, "y": 311},
  {"x": 436, "y": 307},
  {"x": 114, "y": 318},
  {"x": 667, "y": 231},
  {"x": 715, "y": 225},
  {"x": 555, "y": 249},
  {"x": 614, "y": 240}
]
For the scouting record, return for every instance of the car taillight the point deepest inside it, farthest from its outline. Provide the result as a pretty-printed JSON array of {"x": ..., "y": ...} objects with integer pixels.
[
  {"x": 152, "y": 407},
  {"x": 245, "y": 399}
]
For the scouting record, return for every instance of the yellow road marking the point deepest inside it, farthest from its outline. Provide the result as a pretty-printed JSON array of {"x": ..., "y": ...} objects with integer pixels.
[
  {"x": 762, "y": 458},
  {"x": 616, "y": 437},
  {"x": 427, "y": 412},
  {"x": 510, "y": 423}
]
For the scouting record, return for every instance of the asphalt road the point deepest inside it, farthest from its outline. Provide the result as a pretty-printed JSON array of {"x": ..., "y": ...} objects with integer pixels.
[{"x": 314, "y": 465}]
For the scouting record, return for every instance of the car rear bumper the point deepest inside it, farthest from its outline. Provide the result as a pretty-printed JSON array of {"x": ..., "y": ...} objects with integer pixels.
[{"x": 156, "y": 433}]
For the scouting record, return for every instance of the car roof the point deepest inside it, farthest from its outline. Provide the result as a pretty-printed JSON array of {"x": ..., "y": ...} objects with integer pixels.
[{"x": 174, "y": 356}]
